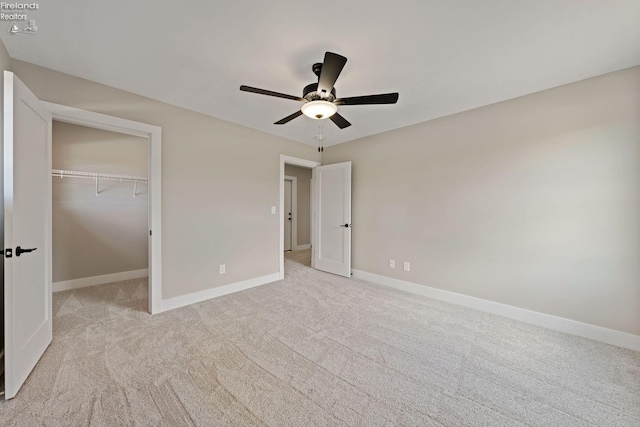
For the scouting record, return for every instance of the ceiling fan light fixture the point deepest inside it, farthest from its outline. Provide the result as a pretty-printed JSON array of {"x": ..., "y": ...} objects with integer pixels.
[
  {"x": 319, "y": 99},
  {"x": 319, "y": 110}
]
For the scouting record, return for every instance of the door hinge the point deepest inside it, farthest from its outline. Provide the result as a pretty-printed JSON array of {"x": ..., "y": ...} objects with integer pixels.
[
  {"x": 8, "y": 253},
  {"x": 149, "y": 232}
]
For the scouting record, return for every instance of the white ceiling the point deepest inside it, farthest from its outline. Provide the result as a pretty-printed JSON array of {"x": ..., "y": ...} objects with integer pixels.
[{"x": 443, "y": 57}]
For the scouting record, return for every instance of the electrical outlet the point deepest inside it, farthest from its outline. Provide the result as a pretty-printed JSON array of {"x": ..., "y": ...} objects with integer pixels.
[
  {"x": 273, "y": 210},
  {"x": 223, "y": 268},
  {"x": 392, "y": 263},
  {"x": 407, "y": 266}
]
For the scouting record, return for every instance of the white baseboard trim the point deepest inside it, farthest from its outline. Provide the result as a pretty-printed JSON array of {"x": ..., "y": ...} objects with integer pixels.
[
  {"x": 585, "y": 330},
  {"x": 184, "y": 300},
  {"x": 66, "y": 285},
  {"x": 302, "y": 247}
]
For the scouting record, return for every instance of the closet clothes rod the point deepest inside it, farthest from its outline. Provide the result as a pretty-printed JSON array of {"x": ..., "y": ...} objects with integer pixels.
[{"x": 98, "y": 176}]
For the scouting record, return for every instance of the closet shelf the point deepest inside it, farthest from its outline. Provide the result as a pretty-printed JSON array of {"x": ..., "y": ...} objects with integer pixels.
[
  {"x": 93, "y": 175},
  {"x": 101, "y": 176}
]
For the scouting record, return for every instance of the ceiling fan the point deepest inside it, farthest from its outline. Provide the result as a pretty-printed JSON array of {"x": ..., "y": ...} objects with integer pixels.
[{"x": 320, "y": 100}]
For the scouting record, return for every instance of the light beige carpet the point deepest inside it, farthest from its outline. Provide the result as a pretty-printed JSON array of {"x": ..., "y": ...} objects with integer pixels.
[{"x": 315, "y": 349}]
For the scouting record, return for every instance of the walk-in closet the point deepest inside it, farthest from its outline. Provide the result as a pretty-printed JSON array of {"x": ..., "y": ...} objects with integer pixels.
[{"x": 100, "y": 206}]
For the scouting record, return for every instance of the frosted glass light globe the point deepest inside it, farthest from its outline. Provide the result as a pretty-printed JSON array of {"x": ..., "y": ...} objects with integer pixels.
[{"x": 319, "y": 109}]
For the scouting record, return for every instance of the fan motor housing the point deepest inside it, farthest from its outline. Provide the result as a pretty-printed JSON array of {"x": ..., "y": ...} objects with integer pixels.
[
  {"x": 310, "y": 93},
  {"x": 317, "y": 68}
]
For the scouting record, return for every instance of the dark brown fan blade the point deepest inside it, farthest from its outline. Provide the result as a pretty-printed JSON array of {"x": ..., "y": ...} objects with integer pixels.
[
  {"x": 340, "y": 121},
  {"x": 331, "y": 69},
  {"x": 269, "y": 93},
  {"x": 386, "y": 98},
  {"x": 288, "y": 118}
]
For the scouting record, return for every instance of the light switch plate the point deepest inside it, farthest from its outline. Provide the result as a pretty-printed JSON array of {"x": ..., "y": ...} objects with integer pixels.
[
  {"x": 223, "y": 268},
  {"x": 407, "y": 266},
  {"x": 392, "y": 263},
  {"x": 273, "y": 210}
]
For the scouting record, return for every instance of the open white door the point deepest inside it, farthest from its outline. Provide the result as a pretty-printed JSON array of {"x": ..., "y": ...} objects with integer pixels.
[
  {"x": 27, "y": 231},
  {"x": 332, "y": 252}
]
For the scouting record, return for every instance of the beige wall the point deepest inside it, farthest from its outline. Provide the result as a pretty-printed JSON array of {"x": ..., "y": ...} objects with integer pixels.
[
  {"x": 99, "y": 235},
  {"x": 532, "y": 202},
  {"x": 304, "y": 202},
  {"x": 219, "y": 181}
]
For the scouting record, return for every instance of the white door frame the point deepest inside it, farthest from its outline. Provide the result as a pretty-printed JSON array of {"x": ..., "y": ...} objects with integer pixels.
[
  {"x": 294, "y": 210},
  {"x": 295, "y": 161},
  {"x": 86, "y": 118}
]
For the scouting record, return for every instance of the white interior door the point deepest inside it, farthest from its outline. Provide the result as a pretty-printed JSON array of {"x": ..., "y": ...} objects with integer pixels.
[
  {"x": 332, "y": 252},
  {"x": 287, "y": 213},
  {"x": 27, "y": 231}
]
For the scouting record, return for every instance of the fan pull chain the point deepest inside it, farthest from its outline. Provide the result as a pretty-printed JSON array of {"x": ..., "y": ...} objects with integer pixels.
[{"x": 320, "y": 138}]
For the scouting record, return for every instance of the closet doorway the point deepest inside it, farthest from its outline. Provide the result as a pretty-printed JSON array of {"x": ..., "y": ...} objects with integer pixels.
[{"x": 100, "y": 213}]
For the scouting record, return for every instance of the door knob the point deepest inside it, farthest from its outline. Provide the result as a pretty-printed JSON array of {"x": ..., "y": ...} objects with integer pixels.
[
  {"x": 20, "y": 251},
  {"x": 345, "y": 225}
]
